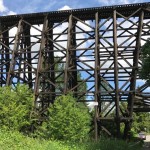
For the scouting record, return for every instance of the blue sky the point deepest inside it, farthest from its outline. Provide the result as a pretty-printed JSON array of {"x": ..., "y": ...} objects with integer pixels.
[{"x": 31, "y": 6}]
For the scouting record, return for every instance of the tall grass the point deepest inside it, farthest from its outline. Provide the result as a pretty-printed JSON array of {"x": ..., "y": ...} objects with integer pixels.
[
  {"x": 15, "y": 141},
  {"x": 112, "y": 144}
]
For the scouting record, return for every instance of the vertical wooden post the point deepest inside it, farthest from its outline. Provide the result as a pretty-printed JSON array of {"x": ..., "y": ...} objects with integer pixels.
[
  {"x": 7, "y": 55},
  {"x": 15, "y": 49},
  {"x": 72, "y": 59},
  {"x": 27, "y": 43},
  {"x": 116, "y": 73},
  {"x": 51, "y": 62},
  {"x": 67, "y": 55},
  {"x": 70, "y": 79},
  {"x": 134, "y": 74},
  {"x": 96, "y": 73},
  {"x": 39, "y": 65},
  {"x": 1, "y": 57}
]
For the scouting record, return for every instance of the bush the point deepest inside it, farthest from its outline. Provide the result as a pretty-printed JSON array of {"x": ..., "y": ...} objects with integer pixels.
[
  {"x": 68, "y": 120},
  {"x": 15, "y": 107}
]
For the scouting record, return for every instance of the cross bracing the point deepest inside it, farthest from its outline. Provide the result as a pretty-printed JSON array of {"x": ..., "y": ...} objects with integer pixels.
[{"x": 101, "y": 44}]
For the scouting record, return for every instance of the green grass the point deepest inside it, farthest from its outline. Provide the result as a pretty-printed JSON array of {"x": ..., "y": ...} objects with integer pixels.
[
  {"x": 16, "y": 141},
  {"x": 111, "y": 144}
]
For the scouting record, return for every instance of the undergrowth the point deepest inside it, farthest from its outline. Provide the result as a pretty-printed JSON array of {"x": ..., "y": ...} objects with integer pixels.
[{"x": 16, "y": 141}]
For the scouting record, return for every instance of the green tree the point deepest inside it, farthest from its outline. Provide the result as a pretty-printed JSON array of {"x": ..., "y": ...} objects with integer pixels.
[
  {"x": 145, "y": 57},
  {"x": 59, "y": 68},
  {"x": 141, "y": 122},
  {"x": 15, "y": 107},
  {"x": 68, "y": 120}
]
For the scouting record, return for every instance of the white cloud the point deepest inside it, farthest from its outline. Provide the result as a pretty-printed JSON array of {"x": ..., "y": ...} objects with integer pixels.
[
  {"x": 118, "y": 2},
  {"x": 91, "y": 105},
  {"x": 66, "y": 7},
  {"x": 4, "y": 10},
  {"x": 11, "y": 13},
  {"x": 2, "y": 7}
]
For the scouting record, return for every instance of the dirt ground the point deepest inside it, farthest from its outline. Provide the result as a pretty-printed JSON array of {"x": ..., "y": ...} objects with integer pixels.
[{"x": 147, "y": 143}]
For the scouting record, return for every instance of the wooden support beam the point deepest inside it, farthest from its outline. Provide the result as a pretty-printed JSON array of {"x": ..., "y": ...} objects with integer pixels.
[
  {"x": 27, "y": 43},
  {"x": 13, "y": 58},
  {"x": 67, "y": 55},
  {"x": 116, "y": 73},
  {"x": 70, "y": 77},
  {"x": 40, "y": 60},
  {"x": 51, "y": 61},
  {"x": 134, "y": 73},
  {"x": 97, "y": 74},
  {"x": 5, "y": 59}
]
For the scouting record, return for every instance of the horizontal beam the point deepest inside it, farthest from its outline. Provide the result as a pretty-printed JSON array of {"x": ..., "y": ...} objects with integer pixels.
[
  {"x": 141, "y": 108},
  {"x": 85, "y": 14}
]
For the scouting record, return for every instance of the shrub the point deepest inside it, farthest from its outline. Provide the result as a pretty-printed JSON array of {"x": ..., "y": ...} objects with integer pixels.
[
  {"x": 15, "y": 107},
  {"x": 68, "y": 120}
]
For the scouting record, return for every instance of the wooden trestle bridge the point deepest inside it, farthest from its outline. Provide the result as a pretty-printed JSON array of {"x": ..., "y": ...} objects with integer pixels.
[{"x": 102, "y": 44}]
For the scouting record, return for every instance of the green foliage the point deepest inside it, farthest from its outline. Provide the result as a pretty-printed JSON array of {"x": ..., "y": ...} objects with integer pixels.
[
  {"x": 82, "y": 87},
  {"x": 59, "y": 67},
  {"x": 145, "y": 70},
  {"x": 141, "y": 122},
  {"x": 15, "y": 107},
  {"x": 10, "y": 140},
  {"x": 68, "y": 120},
  {"x": 112, "y": 144}
]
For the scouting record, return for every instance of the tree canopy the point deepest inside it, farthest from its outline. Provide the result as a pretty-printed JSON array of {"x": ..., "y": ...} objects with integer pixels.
[
  {"x": 145, "y": 57},
  {"x": 141, "y": 122}
]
